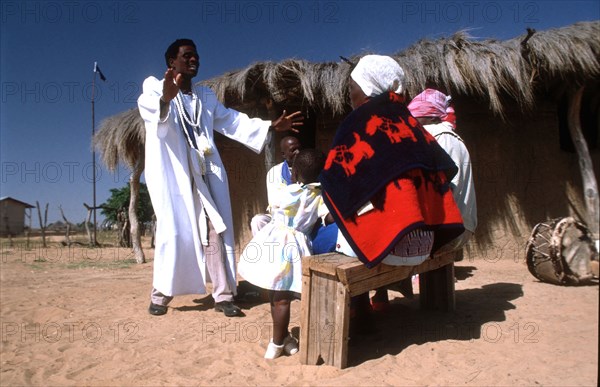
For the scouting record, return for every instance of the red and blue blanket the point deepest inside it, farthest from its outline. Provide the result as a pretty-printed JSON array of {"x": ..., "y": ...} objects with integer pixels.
[{"x": 382, "y": 155}]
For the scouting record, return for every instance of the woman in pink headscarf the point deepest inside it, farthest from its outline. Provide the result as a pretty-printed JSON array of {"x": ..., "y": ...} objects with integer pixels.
[
  {"x": 433, "y": 105},
  {"x": 432, "y": 109}
]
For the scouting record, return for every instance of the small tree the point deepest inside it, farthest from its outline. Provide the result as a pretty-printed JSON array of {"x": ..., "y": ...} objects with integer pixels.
[
  {"x": 43, "y": 222},
  {"x": 67, "y": 238},
  {"x": 119, "y": 200},
  {"x": 88, "y": 225}
]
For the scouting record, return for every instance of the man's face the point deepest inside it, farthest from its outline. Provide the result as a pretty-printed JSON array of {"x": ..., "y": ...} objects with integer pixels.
[
  {"x": 289, "y": 150},
  {"x": 186, "y": 62}
]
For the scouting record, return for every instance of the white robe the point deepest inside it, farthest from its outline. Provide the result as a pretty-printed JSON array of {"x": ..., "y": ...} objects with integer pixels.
[
  {"x": 462, "y": 185},
  {"x": 178, "y": 193}
]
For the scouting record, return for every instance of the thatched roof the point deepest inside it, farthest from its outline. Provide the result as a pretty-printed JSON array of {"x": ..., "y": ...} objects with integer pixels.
[
  {"x": 121, "y": 139},
  {"x": 488, "y": 69},
  {"x": 484, "y": 69}
]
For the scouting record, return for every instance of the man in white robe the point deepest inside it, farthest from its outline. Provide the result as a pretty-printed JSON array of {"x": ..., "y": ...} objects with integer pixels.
[{"x": 188, "y": 184}]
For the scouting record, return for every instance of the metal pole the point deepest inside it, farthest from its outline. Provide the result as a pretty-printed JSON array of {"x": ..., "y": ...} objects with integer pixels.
[{"x": 94, "y": 242}]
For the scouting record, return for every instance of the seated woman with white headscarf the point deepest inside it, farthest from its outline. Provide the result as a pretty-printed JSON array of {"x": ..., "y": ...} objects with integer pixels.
[{"x": 386, "y": 179}]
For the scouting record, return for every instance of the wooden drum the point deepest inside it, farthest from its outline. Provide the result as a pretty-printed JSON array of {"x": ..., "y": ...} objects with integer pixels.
[{"x": 561, "y": 252}]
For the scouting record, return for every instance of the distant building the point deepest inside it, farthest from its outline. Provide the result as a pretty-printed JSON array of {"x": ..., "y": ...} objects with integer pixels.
[{"x": 12, "y": 216}]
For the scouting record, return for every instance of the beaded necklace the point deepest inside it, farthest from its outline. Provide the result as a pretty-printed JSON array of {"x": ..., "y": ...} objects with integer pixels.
[
  {"x": 183, "y": 114},
  {"x": 189, "y": 126}
]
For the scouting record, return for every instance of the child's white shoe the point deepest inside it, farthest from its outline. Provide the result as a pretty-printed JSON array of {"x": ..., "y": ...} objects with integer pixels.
[
  {"x": 274, "y": 350},
  {"x": 290, "y": 345}
]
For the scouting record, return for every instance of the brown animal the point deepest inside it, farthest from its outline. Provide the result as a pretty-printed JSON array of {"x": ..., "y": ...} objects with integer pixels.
[{"x": 349, "y": 157}]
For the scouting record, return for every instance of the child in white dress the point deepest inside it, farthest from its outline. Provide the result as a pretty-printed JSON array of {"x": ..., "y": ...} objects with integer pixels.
[{"x": 272, "y": 259}]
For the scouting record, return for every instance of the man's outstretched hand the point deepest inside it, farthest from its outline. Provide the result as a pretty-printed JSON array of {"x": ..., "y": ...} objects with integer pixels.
[
  {"x": 288, "y": 122},
  {"x": 171, "y": 85}
]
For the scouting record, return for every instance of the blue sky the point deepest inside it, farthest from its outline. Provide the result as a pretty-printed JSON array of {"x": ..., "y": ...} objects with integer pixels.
[{"x": 48, "y": 48}]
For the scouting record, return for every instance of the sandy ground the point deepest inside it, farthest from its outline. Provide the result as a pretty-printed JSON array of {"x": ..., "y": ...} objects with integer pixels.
[{"x": 79, "y": 317}]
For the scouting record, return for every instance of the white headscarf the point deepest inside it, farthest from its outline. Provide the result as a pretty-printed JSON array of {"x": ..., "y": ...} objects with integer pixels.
[{"x": 378, "y": 74}]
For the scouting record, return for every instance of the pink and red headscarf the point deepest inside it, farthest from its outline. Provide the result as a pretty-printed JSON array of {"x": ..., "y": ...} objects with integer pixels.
[{"x": 433, "y": 103}]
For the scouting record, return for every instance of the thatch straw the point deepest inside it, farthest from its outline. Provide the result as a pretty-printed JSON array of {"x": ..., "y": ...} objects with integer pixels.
[
  {"x": 121, "y": 138},
  {"x": 569, "y": 52},
  {"x": 485, "y": 69}
]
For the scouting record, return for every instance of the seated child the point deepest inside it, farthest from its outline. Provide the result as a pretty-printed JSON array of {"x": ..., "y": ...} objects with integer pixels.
[{"x": 272, "y": 259}]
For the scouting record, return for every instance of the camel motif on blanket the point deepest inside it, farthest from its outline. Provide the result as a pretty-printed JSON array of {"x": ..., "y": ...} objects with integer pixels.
[
  {"x": 396, "y": 131},
  {"x": 349, "y": 157},
  {"x": 413, "y": 123}
]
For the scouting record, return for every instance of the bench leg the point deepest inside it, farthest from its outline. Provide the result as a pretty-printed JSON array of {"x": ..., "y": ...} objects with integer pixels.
[
  {"x": 342, "y": 328},
  {"x": 325, "y": 321},
  {"x": 436, "y": 289}
]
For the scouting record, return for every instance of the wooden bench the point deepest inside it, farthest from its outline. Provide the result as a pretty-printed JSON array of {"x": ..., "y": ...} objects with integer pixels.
[{"x": 328, "y": 282}]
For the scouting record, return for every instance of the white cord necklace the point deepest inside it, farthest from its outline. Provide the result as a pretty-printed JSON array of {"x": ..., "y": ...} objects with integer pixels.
[
  {"x": 183, "y": 114},
  {"x": 202, "y": 143}
]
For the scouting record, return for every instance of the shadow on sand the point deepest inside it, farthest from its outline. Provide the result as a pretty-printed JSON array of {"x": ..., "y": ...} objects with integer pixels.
[{"x": 404, "y": 324}]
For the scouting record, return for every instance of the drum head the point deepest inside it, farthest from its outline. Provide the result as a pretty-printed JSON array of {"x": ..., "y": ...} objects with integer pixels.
[{"x": 561, "y": 251}]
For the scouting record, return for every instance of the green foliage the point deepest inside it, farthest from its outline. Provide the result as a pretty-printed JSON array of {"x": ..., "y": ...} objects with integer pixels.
[{"x": 119, "y": 200}]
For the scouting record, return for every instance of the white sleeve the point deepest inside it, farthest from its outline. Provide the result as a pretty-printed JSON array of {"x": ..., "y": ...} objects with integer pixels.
[
  {"x": 149, "y": 105},
  {"x": 252, "y": 132}
]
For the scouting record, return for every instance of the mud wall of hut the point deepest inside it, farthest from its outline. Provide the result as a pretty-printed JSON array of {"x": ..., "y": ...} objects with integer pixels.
[{"x": 522, "y": 177}]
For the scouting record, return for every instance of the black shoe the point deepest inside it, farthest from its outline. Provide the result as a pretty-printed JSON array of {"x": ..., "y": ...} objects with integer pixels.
[
  {"x": 157, "y": 310},
  {"x": 228, "y": 309}
]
